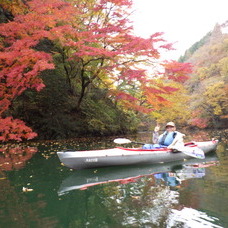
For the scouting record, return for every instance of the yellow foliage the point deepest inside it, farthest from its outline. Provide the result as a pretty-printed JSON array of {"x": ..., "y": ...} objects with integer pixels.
[
  {"x": 208, "y": 84},
  {"x": 216, "y": 97},
  {"x": 202, "y": 72},
  {"x": 225, "y": 45},
  {"x": 177, "y": 110},
  {"x": 223, "y": 66}
]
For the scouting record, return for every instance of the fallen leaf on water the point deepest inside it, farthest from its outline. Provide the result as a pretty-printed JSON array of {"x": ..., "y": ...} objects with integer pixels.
[
  {"x": 135, "y": 197},
  {"x": 24, "y": 189}
]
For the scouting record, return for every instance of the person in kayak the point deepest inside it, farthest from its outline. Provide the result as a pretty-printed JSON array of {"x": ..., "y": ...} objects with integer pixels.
[{"x": 169, "y": 138}]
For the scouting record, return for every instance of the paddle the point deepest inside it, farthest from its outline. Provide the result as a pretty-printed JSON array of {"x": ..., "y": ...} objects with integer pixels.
[
  {"x": 190, "y": 151},
  {"x": 125, "y": 141},
  {"x": 194, "y": 152}
]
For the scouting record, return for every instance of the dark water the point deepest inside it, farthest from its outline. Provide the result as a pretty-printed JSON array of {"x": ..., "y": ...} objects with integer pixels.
[{"x": 37, "y": 191}]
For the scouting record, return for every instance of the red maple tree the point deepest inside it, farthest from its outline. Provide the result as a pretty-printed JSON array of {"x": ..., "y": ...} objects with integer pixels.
[{"x": 96, "y": 43}]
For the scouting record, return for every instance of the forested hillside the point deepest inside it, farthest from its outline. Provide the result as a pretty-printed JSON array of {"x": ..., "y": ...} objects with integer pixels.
[
  {"x": 75, "y": 68},
  {"x": 207, "y": 87}
]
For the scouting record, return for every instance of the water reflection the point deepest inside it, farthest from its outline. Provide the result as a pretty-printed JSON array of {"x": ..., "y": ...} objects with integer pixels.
[
  {"x": 189, "y": 217},
  {"x": 133, "y": 196},
  {"x": 14, "y": 157},
  {"x": 17, "y": 211},
  {"x": 188, "y": 171},
  {"x": 170, "y": 173},
  {"x": 112, "y": 197}
]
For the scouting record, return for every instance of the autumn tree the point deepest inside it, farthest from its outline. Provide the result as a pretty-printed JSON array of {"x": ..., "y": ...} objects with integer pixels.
[
  {"x": 208, "y": 83},
  {"x": 106, "y": 54},
  {"x": 171, "y": 102},
  {"x": 93, "y": 45},
  {"x": 21, "y": 63},
  {"x": 175, "y": 109},
  {"x": 212, "y": 105}
]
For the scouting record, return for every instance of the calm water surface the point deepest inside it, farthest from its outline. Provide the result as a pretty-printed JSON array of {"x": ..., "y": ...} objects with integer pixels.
[{"x": 36, "y": 190}]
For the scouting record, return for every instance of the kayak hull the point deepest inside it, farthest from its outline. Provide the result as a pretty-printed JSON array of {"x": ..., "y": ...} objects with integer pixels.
[{"x": 127, "y": 156}]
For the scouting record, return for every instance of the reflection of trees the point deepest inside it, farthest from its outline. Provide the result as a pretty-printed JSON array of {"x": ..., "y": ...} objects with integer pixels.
[
  {"x": 16, "y": 211},
  {"x": 136, "y": 204},
  {"x": 143, "y": 204},
  {"x": 18, "y": 208},
  {"x": 212, "y": 193},
  {"x": 15, "y": 157},
  {"x": 140, "y": 204}
]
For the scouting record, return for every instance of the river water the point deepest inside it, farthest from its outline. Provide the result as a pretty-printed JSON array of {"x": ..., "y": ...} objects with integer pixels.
[{"x": 36, "y": 190}]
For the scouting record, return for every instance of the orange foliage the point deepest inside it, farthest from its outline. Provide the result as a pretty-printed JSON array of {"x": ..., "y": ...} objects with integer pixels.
[{"x": 15, "y": 7}]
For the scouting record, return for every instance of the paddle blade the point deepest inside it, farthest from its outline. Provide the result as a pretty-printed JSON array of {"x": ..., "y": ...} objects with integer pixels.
[
  {"x": 122, "y": 141},
  {"x": 193, "y": 152}
]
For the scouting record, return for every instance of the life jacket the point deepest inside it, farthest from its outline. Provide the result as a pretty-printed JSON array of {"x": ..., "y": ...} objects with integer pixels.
[{"x": 165, "y": 135}]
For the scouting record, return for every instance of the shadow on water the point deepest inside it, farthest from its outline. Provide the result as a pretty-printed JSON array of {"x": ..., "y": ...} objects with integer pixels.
[{"x": 37, "y": 191}]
